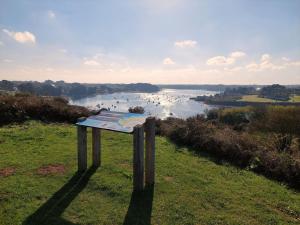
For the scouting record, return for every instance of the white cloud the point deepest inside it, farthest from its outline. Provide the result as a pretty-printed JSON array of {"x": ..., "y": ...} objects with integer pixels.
[
  {"x": 253, "y": 67},
  {"x": 265, "y": 58},
  {"x": 225, "y": 61},
  {"x": 237, "y": 54},
  {"x": 185, "y": 44},
  {"x": 265, "y": 64},
  {"x": 220, "y": 61},
  {"x": 90, "y": 63},
  {"x": 1, "y": 43},
  {"x": 51, "y": 14},
  {"x": 168, "y": 61},
  {"x": 21, "y": 37}
]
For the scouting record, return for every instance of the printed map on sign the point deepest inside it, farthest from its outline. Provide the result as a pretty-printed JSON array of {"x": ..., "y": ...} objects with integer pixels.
[{"x": 116, "y": 121}]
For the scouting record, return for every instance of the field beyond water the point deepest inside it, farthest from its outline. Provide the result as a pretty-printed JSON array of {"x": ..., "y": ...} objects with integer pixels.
[
  {"x": 256, "y": 98},
  {"x": 39, "y": 184}
]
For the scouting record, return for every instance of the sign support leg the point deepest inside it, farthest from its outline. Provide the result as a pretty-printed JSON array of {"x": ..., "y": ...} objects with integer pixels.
[
  {"x": 150, "y": 151},
  {"x": 96, "y": 143},
  {"x": 138, "y": 158},
  {"x": 82, "y": 148}
]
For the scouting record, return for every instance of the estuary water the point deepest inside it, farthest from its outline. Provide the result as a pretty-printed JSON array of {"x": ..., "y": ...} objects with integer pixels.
[{"x": 165, "y": 103}]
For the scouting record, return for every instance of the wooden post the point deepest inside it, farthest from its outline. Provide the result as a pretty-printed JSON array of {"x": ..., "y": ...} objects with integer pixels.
[
  {"x": 150, "y": 151},
  {"x": 82, "y": 148},
  {"x": 138, "y": 158},
  {"x": 96, "y": 143}
]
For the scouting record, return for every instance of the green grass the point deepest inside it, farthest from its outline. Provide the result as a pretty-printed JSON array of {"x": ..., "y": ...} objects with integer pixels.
[
  {"x": 255, "y": 98},
  {"x": 189, "y": 189},
  {"x": 295, "y": 98}
]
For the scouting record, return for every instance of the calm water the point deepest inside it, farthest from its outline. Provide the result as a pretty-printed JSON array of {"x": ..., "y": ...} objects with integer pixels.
[{"x": 167, "y": 102}]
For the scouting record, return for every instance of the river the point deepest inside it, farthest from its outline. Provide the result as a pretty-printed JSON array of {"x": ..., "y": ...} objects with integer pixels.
[{"x": 165, "y": 103}]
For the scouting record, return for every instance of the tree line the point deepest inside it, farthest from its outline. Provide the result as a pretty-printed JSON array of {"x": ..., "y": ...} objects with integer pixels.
[{"x": 73, "y": 90}]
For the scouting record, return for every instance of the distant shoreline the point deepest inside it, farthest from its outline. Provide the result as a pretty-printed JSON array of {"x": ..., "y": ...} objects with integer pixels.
[{"x": 245, "y": 103}]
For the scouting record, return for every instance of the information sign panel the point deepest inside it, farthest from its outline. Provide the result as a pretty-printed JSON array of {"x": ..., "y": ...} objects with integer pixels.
[{"x": 115, "y": 121}]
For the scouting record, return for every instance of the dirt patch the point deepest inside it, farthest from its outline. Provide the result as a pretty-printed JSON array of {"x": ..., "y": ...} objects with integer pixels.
[
  {"x": 169, "y": 179},
  {"x": 51, "y": 169},
  {"x": 8, "y": 171}
]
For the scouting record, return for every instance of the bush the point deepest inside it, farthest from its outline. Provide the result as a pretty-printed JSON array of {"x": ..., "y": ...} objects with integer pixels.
[
  {"x": 241, "y": 148},
  {"x": 281, "y": 121},
  {"x": 235, "y": 116},
  {"x": 21, "y": 107},
  {"x": 212, "y": 114},
  {"x": 61, "y": 99},
  {"x": 137, "y": 109}
]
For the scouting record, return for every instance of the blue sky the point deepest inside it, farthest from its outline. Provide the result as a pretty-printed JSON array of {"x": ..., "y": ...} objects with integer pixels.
[{"x": 171, "y": 41}]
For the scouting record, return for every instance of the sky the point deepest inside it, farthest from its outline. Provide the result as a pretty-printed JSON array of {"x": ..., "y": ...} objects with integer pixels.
[{"x": 155, "y": 41}]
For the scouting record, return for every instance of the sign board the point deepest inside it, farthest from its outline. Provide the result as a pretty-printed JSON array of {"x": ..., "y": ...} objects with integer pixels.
[{"x": 115, "y": 121}]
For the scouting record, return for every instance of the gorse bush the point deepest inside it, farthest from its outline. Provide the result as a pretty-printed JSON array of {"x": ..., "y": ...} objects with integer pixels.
[{"x": 22, "y": 107}]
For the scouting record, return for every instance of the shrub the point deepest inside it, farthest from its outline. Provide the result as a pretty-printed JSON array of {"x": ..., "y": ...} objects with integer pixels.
[
  {"x": 235, "y": 116},
  {"x": 22, "y": 107},
  {"x": 241, "y": 148},
  {"x": 61, "y": 99},
  {"x": 282, "y": 121},
  {"x": 137, "y": 109},
  {"x": 212, "y": 114}
]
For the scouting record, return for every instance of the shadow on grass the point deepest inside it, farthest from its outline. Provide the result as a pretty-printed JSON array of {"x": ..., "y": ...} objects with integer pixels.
[
  {"x": 140, "y": 207},
  {"x": 51, "y": 211},
  {"x": 195, "y": 151}
]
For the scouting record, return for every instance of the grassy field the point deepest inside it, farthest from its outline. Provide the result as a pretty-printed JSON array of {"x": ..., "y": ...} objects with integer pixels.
[
  {"x": 295, "y": 98},
  {"x": 39, "y": 185},
  {"x": 255, "y": 98}
]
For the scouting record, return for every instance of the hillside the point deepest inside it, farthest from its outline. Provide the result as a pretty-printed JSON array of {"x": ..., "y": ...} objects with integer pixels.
[{"x": 38, "y": 182}]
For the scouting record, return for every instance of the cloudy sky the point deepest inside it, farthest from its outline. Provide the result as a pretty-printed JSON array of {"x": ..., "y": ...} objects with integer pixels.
[{"x": 157, "y": 41}]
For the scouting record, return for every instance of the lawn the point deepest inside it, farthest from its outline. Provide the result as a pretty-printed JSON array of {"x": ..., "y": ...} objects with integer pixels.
[
  {"x": 295, "y": 98},
  {"x": 39, "y": 185},
  {"x": 255, "y": 98}
]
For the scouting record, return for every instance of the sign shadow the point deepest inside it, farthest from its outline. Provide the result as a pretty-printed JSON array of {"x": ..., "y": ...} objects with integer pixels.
[
  {"x": 140, "y": 207},
  {"x": 50, "y": 212}
]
